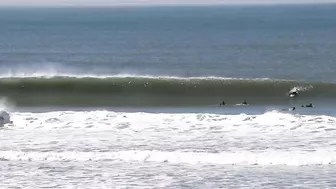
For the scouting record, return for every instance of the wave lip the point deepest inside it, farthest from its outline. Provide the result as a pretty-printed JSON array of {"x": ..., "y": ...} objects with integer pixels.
[
  {"x": 289, "y": 158},
  {"x": 51, "y": 75}
]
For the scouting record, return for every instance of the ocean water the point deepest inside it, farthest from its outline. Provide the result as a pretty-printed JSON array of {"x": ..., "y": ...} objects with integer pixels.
[{"x": 129, "y": 97}]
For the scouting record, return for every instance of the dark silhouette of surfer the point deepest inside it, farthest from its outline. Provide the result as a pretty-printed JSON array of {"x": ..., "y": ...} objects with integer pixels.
[
  {"x": 291, "y": 109},
  {"x": 308, "y": 105},
  {"x": 244, "y": 103},
  {"x": 222, "y": 104}
]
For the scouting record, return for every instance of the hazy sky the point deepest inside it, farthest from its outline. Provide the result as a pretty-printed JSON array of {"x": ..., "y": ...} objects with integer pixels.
[{"x": 146, "y": 2}]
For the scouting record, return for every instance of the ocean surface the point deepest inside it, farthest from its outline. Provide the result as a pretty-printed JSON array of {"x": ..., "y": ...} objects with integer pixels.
[{"x": 129, "y": 97}]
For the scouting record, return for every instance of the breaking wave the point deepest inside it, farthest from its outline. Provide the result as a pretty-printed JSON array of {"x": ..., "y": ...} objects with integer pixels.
[{"x": 153, "y": 91}]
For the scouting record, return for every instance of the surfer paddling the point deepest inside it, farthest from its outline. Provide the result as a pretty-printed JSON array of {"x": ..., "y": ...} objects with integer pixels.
[
  {"x": 244, "y": 103},
  {"x": 222, "y": 103},
  {"x": 290, "y": 109},
  {"x": 308, "y": 105}
]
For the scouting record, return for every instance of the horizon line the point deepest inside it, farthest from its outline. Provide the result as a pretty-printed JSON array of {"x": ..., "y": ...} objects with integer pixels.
[{"x": 164, "y": 4}]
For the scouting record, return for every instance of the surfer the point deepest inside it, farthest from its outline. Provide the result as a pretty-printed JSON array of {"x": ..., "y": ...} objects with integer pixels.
[
  {"x": 308, "y": 105},
  {"x": 293, "y": 94},
  {"x": 244, "y": 103},
  {"x": 290, "y": 109},
  {"x": 222, "y": 104}
]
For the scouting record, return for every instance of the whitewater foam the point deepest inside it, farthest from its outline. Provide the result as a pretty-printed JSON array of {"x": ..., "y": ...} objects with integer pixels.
[
  {"x": 271, "y": 138},
  {"x": 292, "y": 158},
  {"x": 7, "y": 104},
  {"x": 301, "y": 88},
  {"x": 106, "y": 120}
]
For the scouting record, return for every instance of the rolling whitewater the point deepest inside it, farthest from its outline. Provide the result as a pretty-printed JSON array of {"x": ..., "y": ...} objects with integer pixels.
[{"x": 130, "y": 97}]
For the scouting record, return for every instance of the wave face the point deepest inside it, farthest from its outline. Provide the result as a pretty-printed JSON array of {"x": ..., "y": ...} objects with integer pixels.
[{"x": 152, "y": 91}]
